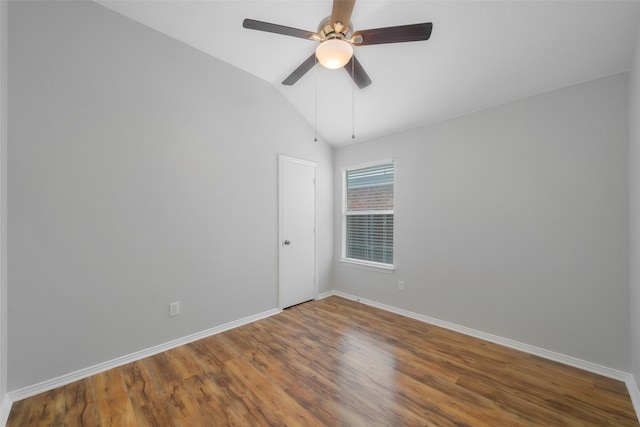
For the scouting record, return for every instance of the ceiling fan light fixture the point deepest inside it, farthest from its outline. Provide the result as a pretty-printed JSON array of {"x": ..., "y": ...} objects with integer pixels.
[{"x": 334, "y": 53}]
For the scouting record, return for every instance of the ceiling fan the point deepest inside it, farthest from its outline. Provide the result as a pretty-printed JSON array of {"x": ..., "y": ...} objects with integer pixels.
[{"x": 337, "y": 38}]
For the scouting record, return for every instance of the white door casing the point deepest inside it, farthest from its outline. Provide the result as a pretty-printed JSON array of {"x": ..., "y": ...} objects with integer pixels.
[{"x": 297, "y": 232}]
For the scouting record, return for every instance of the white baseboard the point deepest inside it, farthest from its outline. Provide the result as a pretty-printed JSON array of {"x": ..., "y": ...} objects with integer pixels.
[
  {"x": 43, "y": 386},
  {"x": 326, "y": 294},
  {"x": 626, "y": 377},
  {"x": 5, "y": 409},
  {"x": 634, "y": 392}
]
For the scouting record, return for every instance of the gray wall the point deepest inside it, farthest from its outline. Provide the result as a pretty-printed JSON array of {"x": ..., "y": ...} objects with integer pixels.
[
  {"x": 513, "y": 221},
  {"x": 634, "y": 180},
  {"x": 3, "y": 195},
  {"x": 141, "y": 172}
]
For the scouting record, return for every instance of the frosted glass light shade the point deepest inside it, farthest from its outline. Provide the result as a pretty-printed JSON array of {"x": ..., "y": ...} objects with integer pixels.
[{"x": 334, "y": 53}]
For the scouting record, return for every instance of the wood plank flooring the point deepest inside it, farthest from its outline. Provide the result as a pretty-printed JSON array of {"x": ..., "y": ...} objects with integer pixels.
[{"x": 335, "y": 362}]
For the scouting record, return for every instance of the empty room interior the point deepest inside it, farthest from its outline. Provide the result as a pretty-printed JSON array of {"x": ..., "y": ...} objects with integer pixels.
[{"x": 319, "y": 213}]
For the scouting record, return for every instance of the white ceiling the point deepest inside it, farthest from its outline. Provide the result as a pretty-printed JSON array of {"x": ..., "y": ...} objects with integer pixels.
[{"x": 481, "y": 54}]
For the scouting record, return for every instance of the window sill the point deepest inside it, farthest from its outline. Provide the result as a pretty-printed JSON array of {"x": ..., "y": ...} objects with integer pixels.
[{"x": 382, "y": 268}]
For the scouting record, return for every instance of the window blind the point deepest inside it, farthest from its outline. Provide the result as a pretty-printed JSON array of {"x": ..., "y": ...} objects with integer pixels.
[{"x": 368, "y": 213}]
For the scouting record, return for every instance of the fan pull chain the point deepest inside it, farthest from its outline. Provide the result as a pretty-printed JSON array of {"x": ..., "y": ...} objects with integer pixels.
[
  {"x": 353, "y": 99},
  {"x": 315, "y": 103}
]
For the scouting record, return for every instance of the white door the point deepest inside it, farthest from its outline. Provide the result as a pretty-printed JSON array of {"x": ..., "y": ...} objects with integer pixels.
[{"x": 297, "y": 275}]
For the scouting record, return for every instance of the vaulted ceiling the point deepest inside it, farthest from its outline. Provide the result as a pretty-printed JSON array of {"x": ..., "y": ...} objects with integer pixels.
[{"x": 481, "y": 54}]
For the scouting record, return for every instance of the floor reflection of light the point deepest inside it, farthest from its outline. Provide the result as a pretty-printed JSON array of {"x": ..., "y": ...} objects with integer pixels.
[{"x": 368, "y": 369}]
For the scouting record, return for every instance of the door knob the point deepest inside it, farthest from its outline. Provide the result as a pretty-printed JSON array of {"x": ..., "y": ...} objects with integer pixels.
[{"x": 287, "y": 242}]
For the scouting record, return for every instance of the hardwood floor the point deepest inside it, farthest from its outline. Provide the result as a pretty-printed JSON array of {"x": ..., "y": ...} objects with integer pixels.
[{"x": 335, "y": 362}]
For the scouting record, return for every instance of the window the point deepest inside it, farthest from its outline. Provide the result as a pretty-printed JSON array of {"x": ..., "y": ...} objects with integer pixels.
[{"x": 367, "y": 215}]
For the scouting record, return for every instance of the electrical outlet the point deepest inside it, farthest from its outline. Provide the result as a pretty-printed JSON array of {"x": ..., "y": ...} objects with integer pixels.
[
  {"x": 174, "y": 308},
  {"x": 401, "y": 285}
]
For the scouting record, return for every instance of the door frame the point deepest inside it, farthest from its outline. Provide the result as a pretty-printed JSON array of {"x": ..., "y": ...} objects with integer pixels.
[{"x": 282, "y": 159}]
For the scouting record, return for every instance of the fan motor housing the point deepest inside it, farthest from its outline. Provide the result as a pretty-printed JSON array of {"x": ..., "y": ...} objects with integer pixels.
[{"x": 336, "y": 31}]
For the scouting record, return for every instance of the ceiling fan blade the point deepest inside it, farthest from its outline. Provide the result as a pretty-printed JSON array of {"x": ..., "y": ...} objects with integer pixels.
[
  {"x": 355, "y": 70},
  {"x": 399, "y": 34},
  {"x": 341, "y": 12},
  {"x": 301, "y": 70},
  {"x": 252, "y": 24}
]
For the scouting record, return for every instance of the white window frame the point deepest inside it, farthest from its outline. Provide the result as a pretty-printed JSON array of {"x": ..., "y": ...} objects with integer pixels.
[{"x": 352, "y": 262}]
